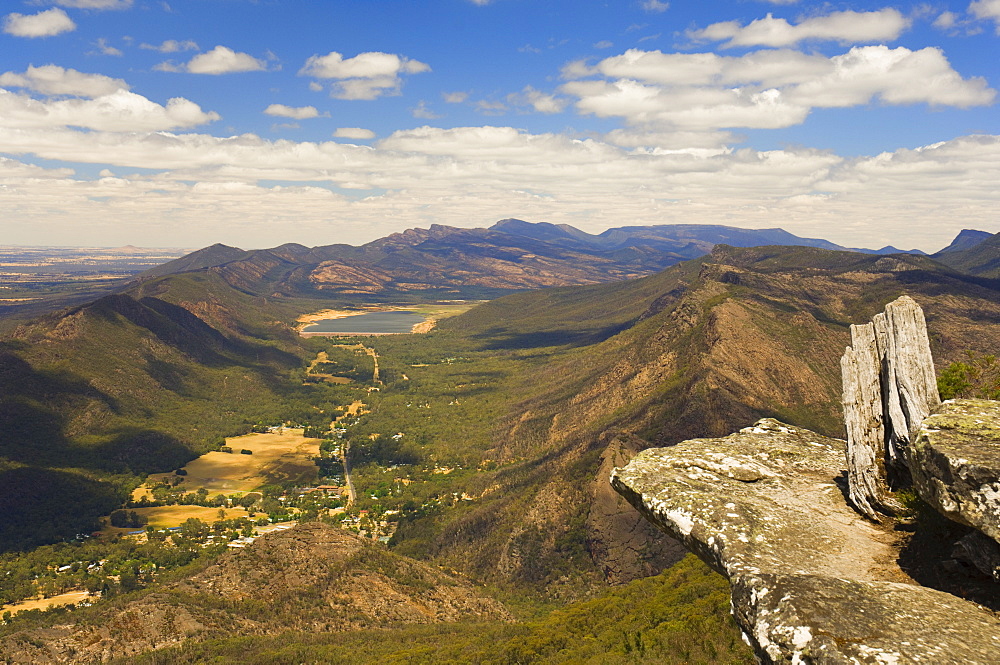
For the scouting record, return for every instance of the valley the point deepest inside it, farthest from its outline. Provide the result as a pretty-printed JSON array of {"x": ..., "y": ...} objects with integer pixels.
[{"x": 480, "y": 449}]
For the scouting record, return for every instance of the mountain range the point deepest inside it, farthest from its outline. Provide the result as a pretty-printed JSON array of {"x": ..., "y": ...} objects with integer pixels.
[
  {"x": 536, "y": 395},
  {"x": 446, "y": 261}
]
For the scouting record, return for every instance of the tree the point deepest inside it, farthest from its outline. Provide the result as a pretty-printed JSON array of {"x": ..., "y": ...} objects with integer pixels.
[{"x": 979, "y": 377}]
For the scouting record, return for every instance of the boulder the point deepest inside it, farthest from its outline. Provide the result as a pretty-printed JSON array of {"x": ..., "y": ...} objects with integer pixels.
[
  {"x": 955, "y": 463},
  {"x": 812, "y": 580}
]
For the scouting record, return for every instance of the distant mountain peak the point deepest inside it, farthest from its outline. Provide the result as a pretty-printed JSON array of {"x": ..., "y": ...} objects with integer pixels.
[{"x": 966, "y": 239}]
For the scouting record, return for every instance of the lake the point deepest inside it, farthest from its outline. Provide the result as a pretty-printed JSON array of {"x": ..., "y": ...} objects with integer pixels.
[{"x": 376, "y": 322}]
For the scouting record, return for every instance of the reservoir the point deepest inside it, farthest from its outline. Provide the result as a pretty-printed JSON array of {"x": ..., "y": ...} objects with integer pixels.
[{"x": 373, "y": 323}]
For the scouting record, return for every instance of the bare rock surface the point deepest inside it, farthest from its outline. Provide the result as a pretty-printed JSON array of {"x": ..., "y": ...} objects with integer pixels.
[
  {"x": 812, "y": 580},
  {"x": 955, "y": 462},
  {"x": 889, "y": 388}
]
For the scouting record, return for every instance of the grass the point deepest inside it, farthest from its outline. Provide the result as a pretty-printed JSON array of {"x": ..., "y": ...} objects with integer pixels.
[
  {"x": 68, "y": 598},
  {"x": 165, "y": 517},
  {"x": 277, "y": 458}
]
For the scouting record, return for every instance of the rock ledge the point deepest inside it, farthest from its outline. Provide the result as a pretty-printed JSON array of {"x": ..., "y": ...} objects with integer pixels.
[{"x": 812, "y": 581}]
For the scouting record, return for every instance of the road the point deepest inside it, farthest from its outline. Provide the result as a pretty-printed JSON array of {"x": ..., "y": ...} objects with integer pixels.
[{"x": 351, "y": 494}]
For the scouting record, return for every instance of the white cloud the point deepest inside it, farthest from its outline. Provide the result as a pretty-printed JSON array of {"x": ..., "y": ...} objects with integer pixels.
[
  {"x": 171, "y": 46},
  {"x": 356, "y": 133},
  {"x": 764, "y": 89},
  {"x": 296, "y": 112},
  {"x": 454, "y": 97},
  {"x": 472, "y": 176},
  {"x": 603, "y": 44},
  {"x": 118, "y": 111},
  {"x": 946, "y": 20},
  {"x": 94, "y": 4},
  {"x": 422, "y": 111},
  {"x": 656, "y": 6},
  {"x": 895, "y": 76},
  {"x": 537, "y": 100},
  {"x": 846, "y": 27},
  {"x": 489, "y": 107},
  {"x": 104, "y": 48},
  {"x": 366, "y": 76},
  {"x": 55, "y": 80},
  {"x": 987, "y": 10},
  {"x": 48, "y": 23},
  {"x": 223, "y": 60}
]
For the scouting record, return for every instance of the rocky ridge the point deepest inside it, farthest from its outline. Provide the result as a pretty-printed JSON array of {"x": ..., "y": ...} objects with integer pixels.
[
  {"x": 313, "y": 577},
  {"x": 813, "y": 580}
]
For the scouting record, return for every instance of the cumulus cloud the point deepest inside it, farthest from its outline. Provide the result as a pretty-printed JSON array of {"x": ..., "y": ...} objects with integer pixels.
[
  {"x": 763, "y": 89},
  {"x": 538, "y": 100},
  {"x": 357, "y": 133},
  {"x": 475, "y": 175},
  {"x": 118, "y": 111},
  {"x": 48, "y": 23},
  {"x": 846, "y": 27},
  {"x": 94, "y": 4},
  {"x": 987, "y": 10},
  {"x": 454, "y": 97},
  {"x": 223, "y": 60},
  {"x": 55, "y": 80},
  {"x": 366, "y": 76},
  {"x": 296, "y": 112}
]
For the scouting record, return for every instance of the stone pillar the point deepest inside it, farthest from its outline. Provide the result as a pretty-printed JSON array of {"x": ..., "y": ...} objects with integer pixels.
[{"x": 889, "y": 388}]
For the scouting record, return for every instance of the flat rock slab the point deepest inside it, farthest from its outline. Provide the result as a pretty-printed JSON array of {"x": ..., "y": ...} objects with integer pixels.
[
  {"x": 812, "y": 581},
  {"x": 955, "y": 463}
]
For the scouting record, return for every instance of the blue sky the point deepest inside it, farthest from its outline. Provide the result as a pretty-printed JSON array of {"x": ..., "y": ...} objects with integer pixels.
[{"x": 188, "y": 122}]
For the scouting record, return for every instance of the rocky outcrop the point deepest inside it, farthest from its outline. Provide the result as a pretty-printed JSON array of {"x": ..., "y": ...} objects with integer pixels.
[
  {"x": 889, "y": 388},
  {"x": 812, "y": 581},
  {"x": 955, "y": 462}
]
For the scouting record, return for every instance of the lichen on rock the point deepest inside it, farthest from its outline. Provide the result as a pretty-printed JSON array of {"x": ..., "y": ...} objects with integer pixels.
[
  {"x": 812, "y": 580},
  {"x": 955, "y": 462}
]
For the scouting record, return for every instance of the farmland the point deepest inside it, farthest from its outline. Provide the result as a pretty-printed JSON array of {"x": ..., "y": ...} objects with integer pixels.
[{"x": 279, "y": 457}]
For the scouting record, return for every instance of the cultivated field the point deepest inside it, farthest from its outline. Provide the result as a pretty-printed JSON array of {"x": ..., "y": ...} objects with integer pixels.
[
  {"x": 276, "y": 458},
  {"x": 68, "y": 598}
]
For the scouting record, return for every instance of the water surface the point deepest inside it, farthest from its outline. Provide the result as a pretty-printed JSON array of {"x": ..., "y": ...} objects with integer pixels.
[{"x": 376, "y": 322}]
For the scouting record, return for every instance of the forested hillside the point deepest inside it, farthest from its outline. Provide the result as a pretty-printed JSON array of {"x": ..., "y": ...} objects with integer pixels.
[{"x": 487, "y": 443}]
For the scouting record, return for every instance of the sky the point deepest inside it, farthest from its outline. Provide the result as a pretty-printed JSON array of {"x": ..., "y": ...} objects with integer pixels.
[{"x": 253, "y": 123}]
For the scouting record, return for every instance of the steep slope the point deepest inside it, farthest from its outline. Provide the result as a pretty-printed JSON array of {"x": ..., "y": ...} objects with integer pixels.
[
  {"x": 312, "y": 578},
  {"x": 702, "y": 349},
  {"x": 981, "y": 259},
  {"x": 130, "y": 384},
  {"x": 966, "y": 239}
]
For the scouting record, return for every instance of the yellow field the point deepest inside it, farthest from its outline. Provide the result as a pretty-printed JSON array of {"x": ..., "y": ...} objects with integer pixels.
[
  {"x": 276, "y": 458},
  {"x": 164, "y": 517},
  {"x": 68, "y": 598}
]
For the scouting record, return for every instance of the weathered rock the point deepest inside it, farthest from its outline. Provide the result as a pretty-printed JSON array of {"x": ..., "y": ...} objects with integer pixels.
[
  {"x": 980, "y": 552},
  {"x": 812, "y": 580},
  {"x": 955, "y": 462},
  {"x": 889, "y": 388}
]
